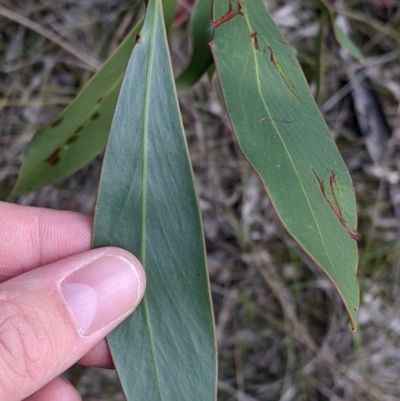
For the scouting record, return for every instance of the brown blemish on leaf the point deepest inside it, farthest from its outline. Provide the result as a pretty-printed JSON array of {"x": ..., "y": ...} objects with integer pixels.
[
  {"x": 57, "y": 123},
  {"x": 278, "y": 68},
  {"x": 271, "y": 56},
  {"x": 332, "y": 182},
  {"x": 335, "y": 206},
  {"x": 95, "y": 116},
  {"x": 253, "y": 35},
  {"x": 100, "y": 99},
  {"x": 72, "y": 139},
  {"x": 54, "y": 158},
  {"x": 138, "y": 38},
  {"x": 229, "y": 15},
  {"x": 78, "y": 130}
]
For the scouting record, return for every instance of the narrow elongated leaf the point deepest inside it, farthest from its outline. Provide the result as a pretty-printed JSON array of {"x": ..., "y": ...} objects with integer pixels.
[
  {"x": 147, "y": 205},
  {"x": 80, "y": 132},
  {"x": 320, "y": 60},
  {"x": 284, "y": 137},
  {"x": 347, "y": 43},
  {"x": 201, "y": 58},
  {"x": 169, "y": 11},
  {"x": 340, "y": 35}
]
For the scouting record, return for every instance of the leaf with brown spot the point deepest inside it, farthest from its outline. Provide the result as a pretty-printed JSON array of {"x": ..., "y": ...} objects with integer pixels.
[
  {"x": 90, "y": 115},
  {"x": 284, "y": 137},
  {"x": 229, "y": 15},
  {"x": 72, "y": 139},
  {"x": 57, "y": 123},
  {"x": 253, "y": 36},
  {"x": 95, "y": 116},
  {"x": 54, "y": 158}
]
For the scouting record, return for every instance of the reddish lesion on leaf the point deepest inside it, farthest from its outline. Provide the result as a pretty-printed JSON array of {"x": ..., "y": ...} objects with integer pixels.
[
  {"x": 54, "y": 158},
  {"x": 229, "y": 15},
  {"x": 272, "y": 56},
  {"x": 253, "y": 36},
  {"x": 335, "y": 205},
  {"x": 281, "y": 72}
]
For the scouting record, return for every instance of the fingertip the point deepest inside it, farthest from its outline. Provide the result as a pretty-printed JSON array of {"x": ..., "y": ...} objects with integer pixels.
[
  {"x": 104, "y": 291},
  {"x": 31, "y": 237},
  {"x": 99, "y": 356},
  {"x": 58, "y": 389},
  {"x": 71, "y": 305}
]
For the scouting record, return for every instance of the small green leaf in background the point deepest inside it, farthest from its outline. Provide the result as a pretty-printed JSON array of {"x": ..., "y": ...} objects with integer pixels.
[
  {"x": 80, "y": 132},
  {"x": 201, "y": 58},
  {"x": 320, "y": 60},
  {"x": 284, "y": 137},
  {"x": 147, "y": 204},
  {"x": 169, "y": 7},
  {"x": 341, "y": 36}
]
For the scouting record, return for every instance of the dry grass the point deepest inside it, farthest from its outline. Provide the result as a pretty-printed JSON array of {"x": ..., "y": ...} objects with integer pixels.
[{"x": 281, "y": 329}]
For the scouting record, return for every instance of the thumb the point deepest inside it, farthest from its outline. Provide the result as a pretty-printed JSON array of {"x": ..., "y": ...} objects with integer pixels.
[{"x": 51, "y": 316}]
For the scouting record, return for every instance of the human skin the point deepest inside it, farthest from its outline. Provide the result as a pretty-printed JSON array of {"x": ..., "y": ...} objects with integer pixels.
[{"x": 57, "y": 300}]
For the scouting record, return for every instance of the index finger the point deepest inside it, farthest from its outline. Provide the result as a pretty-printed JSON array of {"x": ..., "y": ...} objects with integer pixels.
[{"x": 31, "y": 237}]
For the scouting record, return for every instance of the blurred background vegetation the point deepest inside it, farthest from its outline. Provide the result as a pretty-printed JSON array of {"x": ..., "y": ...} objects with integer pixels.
[{"x": 282, "y": 331}]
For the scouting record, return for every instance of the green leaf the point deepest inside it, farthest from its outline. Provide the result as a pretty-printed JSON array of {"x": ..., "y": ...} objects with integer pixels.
[
  {"x": 147, "y": 205},
  {"x": 169, "y": 7},
  {"x": 341, "y": 36},
  {"x": 201, "y": 57},
  {"x": 347, "y": 43},
  {"x": 4, "y": 194},
  {"x": 284, "y": 137},
  {"x": 80, "y": 132},
  {"x": 320, "y": 60}
]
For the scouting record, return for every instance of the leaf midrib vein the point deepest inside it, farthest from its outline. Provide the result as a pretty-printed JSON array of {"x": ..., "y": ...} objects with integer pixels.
[
  {"x": 144, "y": 191},
  {"x": 283, "y": 142}
]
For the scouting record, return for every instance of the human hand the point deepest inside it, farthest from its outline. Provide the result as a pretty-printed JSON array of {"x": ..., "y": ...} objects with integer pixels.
[{"x": 58, "y": 300}]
